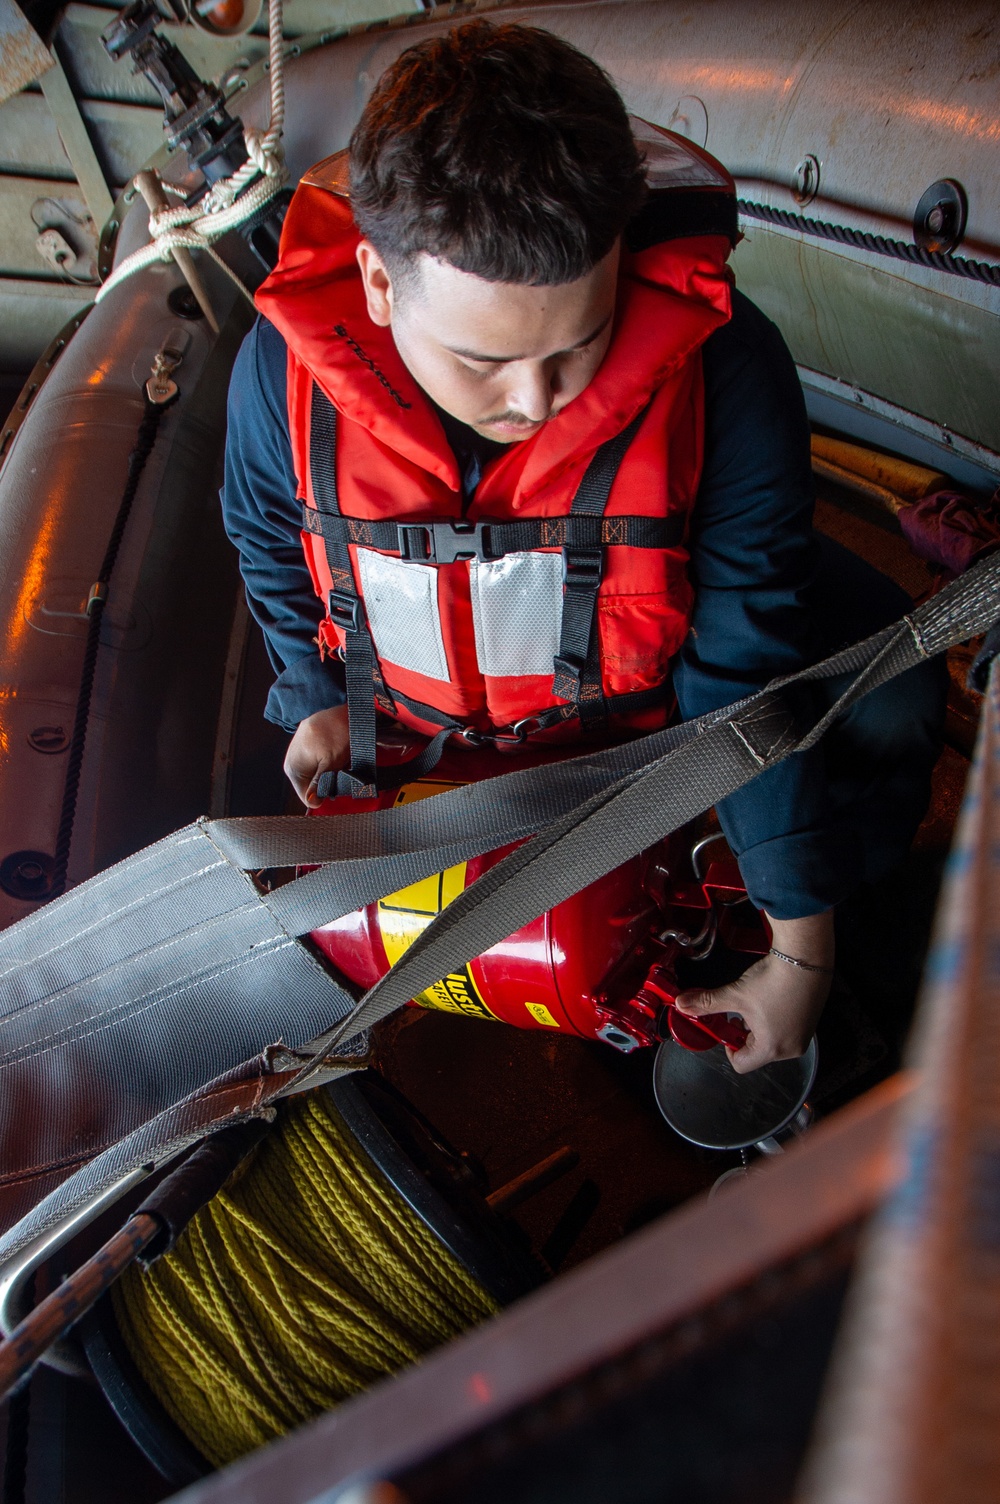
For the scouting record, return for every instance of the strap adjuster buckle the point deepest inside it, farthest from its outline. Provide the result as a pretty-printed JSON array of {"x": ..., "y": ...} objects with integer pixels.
[
  {"x": 344, "y": 610},
  {"x": 583, "y": 569},
  {"x": 444, "y": 542}
]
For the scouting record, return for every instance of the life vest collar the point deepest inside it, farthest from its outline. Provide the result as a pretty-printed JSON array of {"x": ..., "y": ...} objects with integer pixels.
[{"x": 672, "y": 295}]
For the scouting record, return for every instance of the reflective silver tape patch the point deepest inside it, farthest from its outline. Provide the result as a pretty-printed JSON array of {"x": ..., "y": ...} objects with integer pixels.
[
  {"x": 402, "y": 606},
  {"x": 517, "y": 611}
]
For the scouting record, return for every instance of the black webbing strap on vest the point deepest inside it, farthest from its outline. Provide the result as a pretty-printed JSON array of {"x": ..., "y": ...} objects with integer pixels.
[
  {"x": 363, "y": 677},
  {"x": 366, "y": 692},
  {"x": 345, "y": 606},
  {"x": 445, "y": 540},
  {"x": 577, "y": 669}
]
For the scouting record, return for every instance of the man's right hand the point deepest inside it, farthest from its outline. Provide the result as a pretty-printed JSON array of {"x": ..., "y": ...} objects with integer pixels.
[{"x": 321, "y": 744}]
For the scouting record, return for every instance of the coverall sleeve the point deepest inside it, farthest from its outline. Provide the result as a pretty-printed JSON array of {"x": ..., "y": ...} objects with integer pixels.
[
  {"x": 753, "y": 565},
  {"x": 262, "y": 518}
]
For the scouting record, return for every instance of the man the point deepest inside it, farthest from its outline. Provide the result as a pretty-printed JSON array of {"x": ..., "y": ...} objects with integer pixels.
[{"x": 487, "y": 327}]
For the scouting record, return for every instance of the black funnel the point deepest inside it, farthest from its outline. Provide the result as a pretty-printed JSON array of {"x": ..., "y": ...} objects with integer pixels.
[{"x": 705, "y": 1101}]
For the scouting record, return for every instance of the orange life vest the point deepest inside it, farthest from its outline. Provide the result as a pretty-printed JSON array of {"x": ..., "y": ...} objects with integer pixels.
[{"x": 558, "y": 600}]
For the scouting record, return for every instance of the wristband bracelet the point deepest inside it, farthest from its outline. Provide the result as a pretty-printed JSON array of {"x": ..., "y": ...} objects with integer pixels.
[{"x": 806, "y": 965}]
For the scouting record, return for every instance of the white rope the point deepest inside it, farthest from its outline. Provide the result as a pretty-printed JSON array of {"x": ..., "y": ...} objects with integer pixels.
[{"x": 233, "y": 200}]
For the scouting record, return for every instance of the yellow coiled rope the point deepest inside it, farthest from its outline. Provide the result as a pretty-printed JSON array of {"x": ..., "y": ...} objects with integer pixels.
[{"x": 304, "y": 1281}]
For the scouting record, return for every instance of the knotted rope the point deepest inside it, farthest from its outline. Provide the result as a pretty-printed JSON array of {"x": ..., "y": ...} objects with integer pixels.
[{"x": 232, "y": 201}]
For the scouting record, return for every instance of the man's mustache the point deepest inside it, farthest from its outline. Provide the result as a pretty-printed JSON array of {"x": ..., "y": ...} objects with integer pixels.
[{"x": 515, "y": 420}]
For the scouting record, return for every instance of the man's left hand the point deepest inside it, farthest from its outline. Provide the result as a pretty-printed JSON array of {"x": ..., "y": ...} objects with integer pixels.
[{"x": 779, "y": 1003}]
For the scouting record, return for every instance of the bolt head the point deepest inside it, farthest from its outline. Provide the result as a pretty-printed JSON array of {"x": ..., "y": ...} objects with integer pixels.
[
  {"x": 940, "y": 216},
  {"x": 27, "y": 875}
]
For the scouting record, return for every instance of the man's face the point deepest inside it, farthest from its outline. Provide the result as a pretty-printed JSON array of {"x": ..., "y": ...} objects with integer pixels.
[{"x": 500, "y": 356}]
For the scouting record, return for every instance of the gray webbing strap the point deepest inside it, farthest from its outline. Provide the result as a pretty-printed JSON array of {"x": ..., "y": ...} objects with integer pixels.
[
  {"x": 648, "y": 802},
  {"x": 366, "y": 856}
]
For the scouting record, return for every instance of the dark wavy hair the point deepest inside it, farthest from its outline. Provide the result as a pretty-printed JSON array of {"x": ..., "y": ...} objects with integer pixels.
[{"x": 499, "y": 149}]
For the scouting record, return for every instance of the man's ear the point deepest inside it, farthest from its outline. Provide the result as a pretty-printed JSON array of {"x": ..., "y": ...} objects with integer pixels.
[{"x": 377, "y": 284}]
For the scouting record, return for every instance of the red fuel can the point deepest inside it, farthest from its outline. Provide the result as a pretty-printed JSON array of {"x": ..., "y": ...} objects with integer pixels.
[{"x": 580, "y": 968}]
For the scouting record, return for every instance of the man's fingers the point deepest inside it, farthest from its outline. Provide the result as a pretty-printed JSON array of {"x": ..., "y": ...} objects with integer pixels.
[
  {"x": 758, "y": 1052},
  {"x": 303, "y": 775},
  {"x": 319, "y": 745},
  {"x": 699, "y": 1000},
  {"x": 311, "y": 797},
  {"x": 752, "y": 1055},
  {"x": 304, "y": 784}
]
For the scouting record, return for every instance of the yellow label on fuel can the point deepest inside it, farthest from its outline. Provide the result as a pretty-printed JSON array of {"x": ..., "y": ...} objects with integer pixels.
[
  {"x": 404, "y": 915},
  {"x": 541, "y": 1015}
]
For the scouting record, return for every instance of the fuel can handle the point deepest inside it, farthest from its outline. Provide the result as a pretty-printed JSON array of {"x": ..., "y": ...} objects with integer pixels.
[{"x": 706, "y": 1031}]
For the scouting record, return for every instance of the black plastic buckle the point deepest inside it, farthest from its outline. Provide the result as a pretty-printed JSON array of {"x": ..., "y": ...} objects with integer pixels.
[
  {"x": 345, "y": 610},
  {"x": 582, "y": 570},
  {"x": 444, "y": 542}
]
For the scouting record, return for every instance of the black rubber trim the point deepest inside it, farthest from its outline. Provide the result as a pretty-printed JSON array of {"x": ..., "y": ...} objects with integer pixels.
[
  {"x": 154, "y": 1432},
  {"x": 460, "y": 1219}
]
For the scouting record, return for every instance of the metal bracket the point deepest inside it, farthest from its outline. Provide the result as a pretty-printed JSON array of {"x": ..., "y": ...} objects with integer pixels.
[
  {"x": 161, "y": 388},
  {"x": 15, "y": 1271},
  {"x": 75, "y": 138}
]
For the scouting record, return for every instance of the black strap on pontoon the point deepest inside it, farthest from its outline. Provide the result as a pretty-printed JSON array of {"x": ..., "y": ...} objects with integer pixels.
[{"x": 149, "y": 428}]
